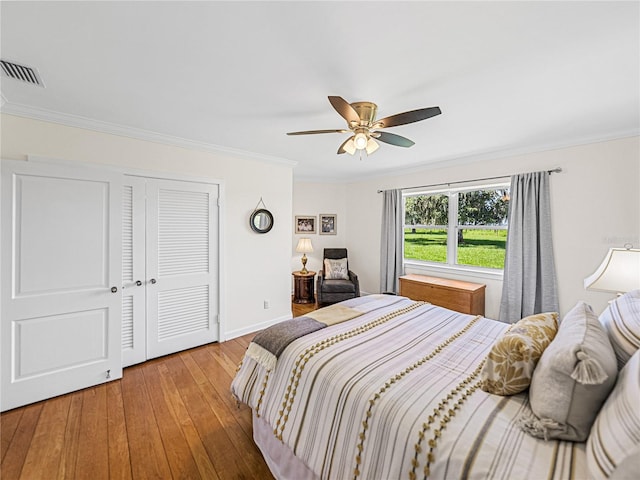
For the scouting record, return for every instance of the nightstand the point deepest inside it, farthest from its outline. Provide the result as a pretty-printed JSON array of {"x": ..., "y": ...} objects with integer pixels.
[{"x": 304, "y": 287}]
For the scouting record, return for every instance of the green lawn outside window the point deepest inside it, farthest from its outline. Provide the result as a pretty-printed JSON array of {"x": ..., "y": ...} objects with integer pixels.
[{"x": 480, "y": 248}]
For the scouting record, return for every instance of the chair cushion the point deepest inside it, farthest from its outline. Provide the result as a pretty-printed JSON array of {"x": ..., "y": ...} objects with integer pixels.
[
  {"x": 336, "y": 269},
  {"x": 338, "y": 286}
]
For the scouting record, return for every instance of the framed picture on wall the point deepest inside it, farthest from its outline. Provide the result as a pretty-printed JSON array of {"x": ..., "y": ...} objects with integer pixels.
[
  {"x": 328, "y": 224},
  {"x": 305, "y": 224}
]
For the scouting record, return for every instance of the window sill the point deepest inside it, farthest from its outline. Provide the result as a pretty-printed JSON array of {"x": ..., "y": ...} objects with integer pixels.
[{"x": 431, "y": 268}]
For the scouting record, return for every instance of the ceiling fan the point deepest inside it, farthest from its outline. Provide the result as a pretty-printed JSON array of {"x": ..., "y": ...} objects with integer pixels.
[{"x": 362, "y": 123}]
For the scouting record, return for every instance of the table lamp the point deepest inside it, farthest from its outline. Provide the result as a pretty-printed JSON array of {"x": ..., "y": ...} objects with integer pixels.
[
  {"x": 619, "y": 271},
  {"x": 304, "y": 247}
]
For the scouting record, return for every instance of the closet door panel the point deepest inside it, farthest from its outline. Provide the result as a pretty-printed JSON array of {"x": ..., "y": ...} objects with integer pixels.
[
  {"x": 61, "y": 297},
  {"x": 182, "y": 265},
  {"x": 133, "y": 271},
  {"x": 47, "y": 211}
]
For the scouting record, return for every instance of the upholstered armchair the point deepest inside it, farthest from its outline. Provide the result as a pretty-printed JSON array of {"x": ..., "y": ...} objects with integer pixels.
[{"x": 335, "y": 281}]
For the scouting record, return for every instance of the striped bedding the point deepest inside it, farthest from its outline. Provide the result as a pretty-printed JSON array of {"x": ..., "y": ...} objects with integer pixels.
[{"x": 392, "y": 393}]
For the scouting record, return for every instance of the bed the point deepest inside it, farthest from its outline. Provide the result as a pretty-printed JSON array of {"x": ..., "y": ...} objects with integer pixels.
[{"x": 383, "y": 387}]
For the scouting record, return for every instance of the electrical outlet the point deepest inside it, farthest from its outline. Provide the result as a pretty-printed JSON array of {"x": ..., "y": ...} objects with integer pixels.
[{"x": 266, "y": 304}]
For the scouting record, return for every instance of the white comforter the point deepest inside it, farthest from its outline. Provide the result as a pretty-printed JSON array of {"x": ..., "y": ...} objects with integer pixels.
[{"x": 392, "y": 393}]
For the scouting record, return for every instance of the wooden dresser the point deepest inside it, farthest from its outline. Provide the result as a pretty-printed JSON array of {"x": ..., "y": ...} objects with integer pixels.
[{"x": 464, "y": 297}]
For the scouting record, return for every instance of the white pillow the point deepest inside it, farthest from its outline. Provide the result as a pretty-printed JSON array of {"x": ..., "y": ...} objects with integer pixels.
[
  {"x": 336, "y": 269},
  {"x": 621, "y": 320},
  {"x": 572, "y": 379},
  {"x": 615, "y": 436}
]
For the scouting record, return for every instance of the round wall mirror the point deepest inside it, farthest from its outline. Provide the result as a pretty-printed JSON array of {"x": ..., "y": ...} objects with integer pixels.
[{"x": 261, "y": 221}]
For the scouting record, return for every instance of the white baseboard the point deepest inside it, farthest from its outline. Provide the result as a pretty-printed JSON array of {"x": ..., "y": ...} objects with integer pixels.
[
  {"x": 253, "y": 328},
  {"x": 261, "y": 326}
]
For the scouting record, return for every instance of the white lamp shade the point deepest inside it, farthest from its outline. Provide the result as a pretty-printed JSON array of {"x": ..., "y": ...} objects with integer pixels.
[
  {"x": 304, "y": 246},
  {"x": 619, "y": 272}
]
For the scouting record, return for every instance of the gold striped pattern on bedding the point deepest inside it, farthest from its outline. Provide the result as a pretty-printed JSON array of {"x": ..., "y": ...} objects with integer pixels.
[{"x": 333, "y": 391}]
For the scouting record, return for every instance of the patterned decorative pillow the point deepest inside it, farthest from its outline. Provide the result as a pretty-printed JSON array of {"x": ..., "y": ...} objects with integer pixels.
[
  {"x": 621, "y": 320},
  {"x": 572, "y": 380},
  {"x": 613, "y": 446},
  {"x": 336, "y": 269},
  {"x": 509, "y": 366}
]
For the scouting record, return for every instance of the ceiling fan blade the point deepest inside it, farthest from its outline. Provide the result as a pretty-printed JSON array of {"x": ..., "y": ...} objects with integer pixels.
[
  {"x": 372, "y": 146},
  {"x": 313, "y": 132},
  {"x": 345, "y": 109},
  {"x": 408, "y": 117},
  {"x": 393, "y": 139},
  {"x": 347, "y": 146}
]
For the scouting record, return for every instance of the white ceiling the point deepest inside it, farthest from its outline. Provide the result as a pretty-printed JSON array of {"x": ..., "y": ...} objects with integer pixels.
[{"x": 510, "y": 77}]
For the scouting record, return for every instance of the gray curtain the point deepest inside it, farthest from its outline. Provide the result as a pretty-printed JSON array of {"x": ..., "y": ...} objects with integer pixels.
[
  {"x": 391, "y": 244},
  {"x": 529, "y": 283}
]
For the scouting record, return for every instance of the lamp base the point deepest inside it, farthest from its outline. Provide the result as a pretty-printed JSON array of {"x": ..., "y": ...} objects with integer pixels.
[{"x": 304, "y": 263}]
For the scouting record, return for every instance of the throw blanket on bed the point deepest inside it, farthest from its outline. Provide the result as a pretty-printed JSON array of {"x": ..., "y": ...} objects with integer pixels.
[
  {"x": 392, "y": 393},
  {"x": 267, "y": 345}
]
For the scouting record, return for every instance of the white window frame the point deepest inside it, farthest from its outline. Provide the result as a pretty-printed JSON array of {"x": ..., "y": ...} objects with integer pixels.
[{"x": 452, "y": 266}]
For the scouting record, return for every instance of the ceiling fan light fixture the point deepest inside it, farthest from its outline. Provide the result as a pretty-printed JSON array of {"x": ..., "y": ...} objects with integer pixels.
[
  {"x": 360, "y": 141},
  {"x": 362, "y": 123},
  {"x": 349, "y": 146},
  {"x": 372, "y": 146}
]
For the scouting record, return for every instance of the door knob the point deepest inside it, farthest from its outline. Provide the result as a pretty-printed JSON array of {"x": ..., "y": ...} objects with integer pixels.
[
  {"x": 114, "y": 289},
  {"x": 138, "y": 283},
  {"x": 153, "y": 280}
]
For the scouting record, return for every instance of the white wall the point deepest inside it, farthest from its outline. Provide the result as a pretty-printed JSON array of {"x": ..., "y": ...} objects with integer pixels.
[
  {"x": 256, "y": 266},
  {"x": 314, "y": 199},
  {"x": 595, "y": 205}
]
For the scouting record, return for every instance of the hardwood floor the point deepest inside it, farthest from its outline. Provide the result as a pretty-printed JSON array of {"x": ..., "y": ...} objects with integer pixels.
[
  {"x": 172, "y": 417},
  {"x": 298, "y": 309}
]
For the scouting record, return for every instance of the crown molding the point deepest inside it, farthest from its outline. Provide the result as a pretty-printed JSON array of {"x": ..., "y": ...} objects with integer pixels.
[
  {"x": 135, "y": 133},
  {"x": 453, "y": 161},
  {"x": 437, "y": 163}
]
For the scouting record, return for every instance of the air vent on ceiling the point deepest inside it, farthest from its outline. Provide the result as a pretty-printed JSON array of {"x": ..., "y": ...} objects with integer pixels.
[{"x": 21, "y": 72}]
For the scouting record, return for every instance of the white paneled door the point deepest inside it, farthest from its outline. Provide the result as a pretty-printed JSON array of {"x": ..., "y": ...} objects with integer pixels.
[
  {"x": 170, "y": 266},
  {"x": 61, "y": 307}
]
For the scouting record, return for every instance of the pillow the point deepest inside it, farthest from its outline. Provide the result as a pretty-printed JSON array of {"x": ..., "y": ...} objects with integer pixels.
[
  {"x": 621, "y": 320},
  {"x": 629, "y": 468},
  {"x": 509, "y": 366},
  {"x": 572, "y": 380},
  {"x": 613, "y": 446},
  {"x": 336, "y": 269}
]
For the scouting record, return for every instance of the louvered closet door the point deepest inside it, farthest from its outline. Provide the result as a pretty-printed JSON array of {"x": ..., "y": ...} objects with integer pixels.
[
  {"x": 182, "y": 265},
  {"x": 134, "y": 281}
]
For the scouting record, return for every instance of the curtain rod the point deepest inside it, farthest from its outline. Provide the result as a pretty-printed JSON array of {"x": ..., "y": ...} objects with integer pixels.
[{"x": 554, "y": 170}]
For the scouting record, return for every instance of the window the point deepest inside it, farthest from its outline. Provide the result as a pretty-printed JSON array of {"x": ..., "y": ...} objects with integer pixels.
[{"x": 462, "y": 227}]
